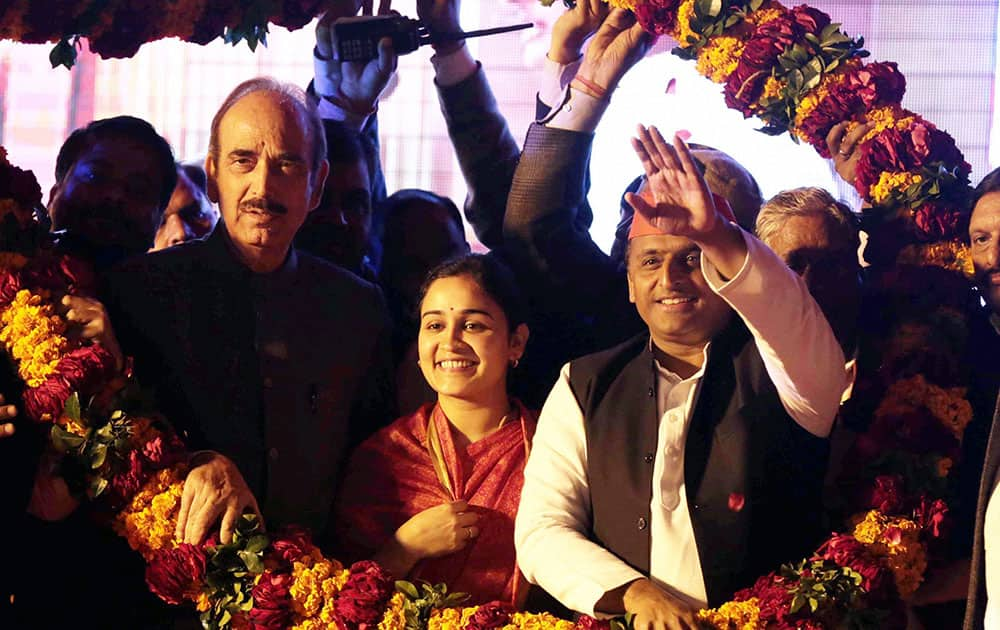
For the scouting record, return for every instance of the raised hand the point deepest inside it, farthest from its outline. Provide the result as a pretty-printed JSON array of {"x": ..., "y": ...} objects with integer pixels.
[
  {"x": 618, "y": 44},
  {"x": 677, "y": 199},
  {"x": 441, "y": 16},
  {"x": 354, "y": 86},
  {"x": 573, "y": 27},
  {"x": 843, "y": 145}
]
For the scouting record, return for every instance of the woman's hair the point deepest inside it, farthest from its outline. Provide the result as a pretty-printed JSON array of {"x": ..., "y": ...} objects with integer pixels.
[{"x": 492, "y": 276}]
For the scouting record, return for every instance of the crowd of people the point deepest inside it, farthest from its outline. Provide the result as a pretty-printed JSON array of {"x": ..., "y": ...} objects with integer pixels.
[{"x": 546, "y": 424}]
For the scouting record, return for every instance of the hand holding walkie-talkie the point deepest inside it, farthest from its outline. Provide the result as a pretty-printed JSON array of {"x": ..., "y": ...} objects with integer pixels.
[{"x": 357, "y": 38}]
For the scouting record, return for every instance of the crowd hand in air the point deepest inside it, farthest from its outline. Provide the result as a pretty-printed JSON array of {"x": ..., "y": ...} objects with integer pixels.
[
  {"x": 434, "y": 532},
  {"x": 88, "y": 320},
  {"x": 353, "y": 86},
  {"x": 213, "y": 488},
  {"x": 679, "y": 202},
  {"x": 619, "y": 43},
  {"x": 573, "y": 27}
]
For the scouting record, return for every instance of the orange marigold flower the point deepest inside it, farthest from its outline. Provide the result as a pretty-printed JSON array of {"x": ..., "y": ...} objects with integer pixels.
[
  {"x": 720, "y": 57},
  {"x": 898, "y": 540},
  {"x": 533, "y": 621},
  {"x": 891, "y": 185},
  {"x": 394, "y": 617},
  {"x": 743, "y": 615},
  {"x": 33, "y": 335},
  {"x": 148, "y": 522},
  {"x": 624, "y": 4},
  {"x": 683, "y": 30}
]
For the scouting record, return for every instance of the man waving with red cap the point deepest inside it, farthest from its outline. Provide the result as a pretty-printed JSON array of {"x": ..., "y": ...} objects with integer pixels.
[{"x": 672, "y": 470}]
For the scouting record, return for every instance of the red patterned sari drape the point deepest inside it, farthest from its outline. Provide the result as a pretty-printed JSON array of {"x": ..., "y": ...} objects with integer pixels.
[{"x": 391, "y": 478}]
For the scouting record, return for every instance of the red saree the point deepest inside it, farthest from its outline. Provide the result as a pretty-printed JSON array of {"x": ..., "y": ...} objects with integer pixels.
[{"x": 391, "y": 477}]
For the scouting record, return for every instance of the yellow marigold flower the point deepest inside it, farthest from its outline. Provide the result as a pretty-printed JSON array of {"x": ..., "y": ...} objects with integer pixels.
[
  {"x": 743, "y": 615},
  {"x": 448, "y": 619},
  {"x": 768, "y": 12},
  {"x": 807, "y": 105},
  {"x": 33, "y": 336},
  {"x": 898, "y": 540},
  {"x": 394, "y": 619},
  {"x": 944, "y": 466},
  {"x": 952, "y": 255},
  {"x": 148, "y": 522},
  {"x": 889, "y": 183},
  {"x": 772, "y": 89},
  {"x": 720, "y": 57},
  {"x": 625, "y": 4},
  {"x": 315, "y": 586},
  {"x": 540, "y": 621},
  {"x": 884, "y": 118},
  {"x": 683, "y": 29}
]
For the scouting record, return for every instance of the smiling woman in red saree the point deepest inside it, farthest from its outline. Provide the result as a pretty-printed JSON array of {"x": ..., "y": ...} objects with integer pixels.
[{"x": 433, "y": 496}]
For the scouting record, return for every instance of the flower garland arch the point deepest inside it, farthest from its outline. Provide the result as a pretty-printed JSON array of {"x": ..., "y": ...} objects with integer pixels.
[{"x": 791, "y": 68}]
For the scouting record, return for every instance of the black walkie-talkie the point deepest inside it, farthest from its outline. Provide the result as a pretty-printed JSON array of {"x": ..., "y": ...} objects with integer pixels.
[{"x": 357, "y": 38}]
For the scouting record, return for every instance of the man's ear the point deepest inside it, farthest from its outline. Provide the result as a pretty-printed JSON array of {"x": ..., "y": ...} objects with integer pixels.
[
  {"x": 319, "y": 183},
  {"x": 211, "y": 189},
  {"x": 631, "y": 286}
]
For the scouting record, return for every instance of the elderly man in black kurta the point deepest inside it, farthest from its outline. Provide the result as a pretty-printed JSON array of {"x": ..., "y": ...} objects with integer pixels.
[{"x": 273, "y": 360}]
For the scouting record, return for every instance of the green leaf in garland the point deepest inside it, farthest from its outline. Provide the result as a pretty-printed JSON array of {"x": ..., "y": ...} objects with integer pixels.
[
  {"x": 98, "y": 456},
  {"x": 63, "y": 54},
  {"x": 407, "y": 588},
  {"x": 64, "y": 441},
  {"x": 72, "y": 407}
]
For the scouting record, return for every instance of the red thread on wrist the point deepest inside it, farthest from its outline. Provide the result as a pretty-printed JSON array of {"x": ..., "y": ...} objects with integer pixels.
[{"x": 594, "y": 89}]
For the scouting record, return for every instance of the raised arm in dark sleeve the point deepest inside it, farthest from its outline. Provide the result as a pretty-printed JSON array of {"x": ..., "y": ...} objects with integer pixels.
[
  {"x": 543, "y": 234},
  {"x": 487, "y": 152}
]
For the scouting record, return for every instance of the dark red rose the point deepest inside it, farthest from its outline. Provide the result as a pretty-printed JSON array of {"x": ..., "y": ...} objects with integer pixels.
[
  {"x": 272, "y": 606},
  {"x": 365, "y": 594},
  {"x": 811, "y": 20},
  {"x": 657, "y": 16},
  {"x": 491, "y": 616},
  {"x": 886, "y": 494},
  {"x": 177, "y": 574},
  {"x": 773, "y": 598},
  {"x": 586, "y": 622},
  {"x": 127, "y": 482},
  {"x": 45, "y": 402},
  {"x": 164, "y": 451},
  {"x": 21, "y": 186},
  {"x": 846, "y": 551},
  {"x": 86, "y": 369},
  {"x": 290, "y": 544},
  {"x": 938, "y": 222},
  {"x": 894, "y": 150}
]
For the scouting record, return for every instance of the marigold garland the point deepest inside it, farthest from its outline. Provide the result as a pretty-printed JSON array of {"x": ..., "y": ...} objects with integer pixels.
[
  {"x": 743, "y": 615},
  {"x": 33, "y": 335}
]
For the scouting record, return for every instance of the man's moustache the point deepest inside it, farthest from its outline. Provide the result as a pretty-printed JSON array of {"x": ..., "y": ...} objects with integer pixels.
[{"x": 266, "y": 205}]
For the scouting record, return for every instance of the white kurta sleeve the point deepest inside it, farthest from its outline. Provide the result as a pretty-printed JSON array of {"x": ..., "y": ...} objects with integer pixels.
[
  {"x": 553, "y": 518},
  {"x": 795, "y": 341}
]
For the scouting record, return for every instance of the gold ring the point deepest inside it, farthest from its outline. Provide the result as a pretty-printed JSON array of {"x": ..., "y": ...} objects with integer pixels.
[{"x": 844, "y": 154}]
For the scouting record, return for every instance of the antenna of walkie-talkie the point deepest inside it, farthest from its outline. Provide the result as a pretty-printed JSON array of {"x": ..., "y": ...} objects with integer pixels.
[{"x": 437, "y": 38}]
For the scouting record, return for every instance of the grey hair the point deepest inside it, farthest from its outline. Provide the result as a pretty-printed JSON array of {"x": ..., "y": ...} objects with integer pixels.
[
  {"x": 806, "y": 201},
  {"x": 286, "y": 92}
]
